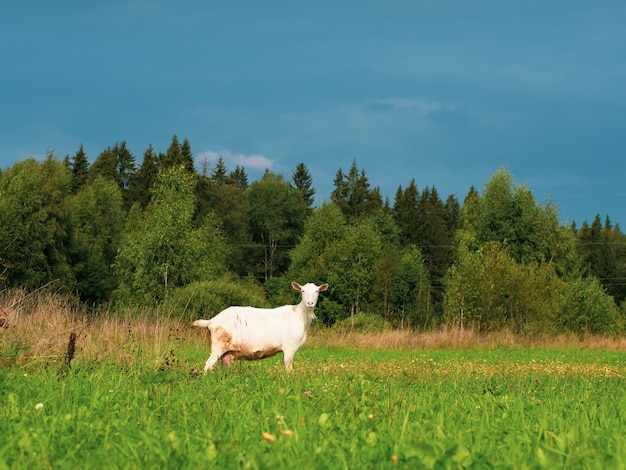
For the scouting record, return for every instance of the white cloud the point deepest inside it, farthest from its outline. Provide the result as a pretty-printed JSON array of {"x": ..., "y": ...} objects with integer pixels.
[{"x": 231, "y": 159}]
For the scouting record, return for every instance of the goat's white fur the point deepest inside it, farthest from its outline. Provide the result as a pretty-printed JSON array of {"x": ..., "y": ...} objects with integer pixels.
[{"x": 255, "y": 333}]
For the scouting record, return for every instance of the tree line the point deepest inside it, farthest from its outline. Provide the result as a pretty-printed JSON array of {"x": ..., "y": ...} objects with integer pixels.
[{"x": 161, "y": 233}]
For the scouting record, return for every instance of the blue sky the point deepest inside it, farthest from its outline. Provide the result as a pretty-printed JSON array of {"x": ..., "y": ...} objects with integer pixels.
[{"x": 444, "y": 92}]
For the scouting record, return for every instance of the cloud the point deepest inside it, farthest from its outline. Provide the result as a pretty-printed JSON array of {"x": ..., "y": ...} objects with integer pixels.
[{"x": 231, "y": 159}]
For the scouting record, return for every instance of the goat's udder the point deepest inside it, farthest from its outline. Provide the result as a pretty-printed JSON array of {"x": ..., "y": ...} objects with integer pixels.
[{"x": 226, "y": 359}]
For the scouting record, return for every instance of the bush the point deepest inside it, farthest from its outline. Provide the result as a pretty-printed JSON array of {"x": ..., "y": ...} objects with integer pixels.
[
  {"x": 363, "y": 323},
  {"x": 588, "y": 309},
  {"x": 207, "y": 299}
]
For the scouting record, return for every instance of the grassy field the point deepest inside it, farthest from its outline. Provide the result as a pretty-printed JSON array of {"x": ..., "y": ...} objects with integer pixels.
[{"x": 133, "y": 398}]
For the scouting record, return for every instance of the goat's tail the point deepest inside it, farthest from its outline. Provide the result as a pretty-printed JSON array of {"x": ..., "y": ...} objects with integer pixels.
[{"x": 201, "y": 323}]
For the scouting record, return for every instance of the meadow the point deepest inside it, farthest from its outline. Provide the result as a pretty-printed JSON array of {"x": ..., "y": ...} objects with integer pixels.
[{"x": 129, "y": 393}]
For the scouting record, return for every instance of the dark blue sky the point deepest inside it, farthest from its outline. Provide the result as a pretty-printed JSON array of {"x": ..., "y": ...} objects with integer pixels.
[{"x": 443, "y": 92}]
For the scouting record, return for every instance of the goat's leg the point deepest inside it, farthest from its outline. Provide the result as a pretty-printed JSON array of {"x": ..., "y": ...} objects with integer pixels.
[
  {"x": 212, "y": 360},
  {"x": 288, "y": 360}
]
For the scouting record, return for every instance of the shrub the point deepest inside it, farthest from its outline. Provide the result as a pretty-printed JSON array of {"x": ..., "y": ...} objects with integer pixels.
[
  {"x": 206, "y": 299},
  {"x": 363, "y": 323},
  {"x": 588, "y": 309}
]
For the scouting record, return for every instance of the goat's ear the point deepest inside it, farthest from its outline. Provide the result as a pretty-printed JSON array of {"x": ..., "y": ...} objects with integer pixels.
[
  {"x": 322, "y": 288},
  {"x": 296, "y": 286}
]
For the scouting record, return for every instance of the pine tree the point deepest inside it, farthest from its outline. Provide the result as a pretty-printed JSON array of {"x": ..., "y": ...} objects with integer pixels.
[
  {"x": 405, "y": 213},
  {"x": 79, "y": 167},
  {"x": 179, "y": 155},
  {"x": 453, "y": 213},
  {"x": 470, "y": 212},
  {"x": 144, "y": 179},
  {"x": 353, "y": 195},
  {"x": 238, "y": 178},
  {"x": 187, "y": 157},
  {"x": 304, "y": 183},
  {"x": 117, "y": 164},
  {"x": 125, "y": 163},
  {"x": 105, "y": 165},
  {"x": 219, "y": 173},
  {"x": 435, "y": 240}
]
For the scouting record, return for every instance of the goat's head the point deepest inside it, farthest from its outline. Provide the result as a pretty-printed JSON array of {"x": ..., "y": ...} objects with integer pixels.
[{"x": 310, "y": 292}]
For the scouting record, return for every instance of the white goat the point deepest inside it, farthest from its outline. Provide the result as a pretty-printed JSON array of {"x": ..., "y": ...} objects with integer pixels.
[{"x": 255, "y": 333}]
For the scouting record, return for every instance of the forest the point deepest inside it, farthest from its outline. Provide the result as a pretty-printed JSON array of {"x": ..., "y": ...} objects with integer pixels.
[{"x": 116, "y": 234}]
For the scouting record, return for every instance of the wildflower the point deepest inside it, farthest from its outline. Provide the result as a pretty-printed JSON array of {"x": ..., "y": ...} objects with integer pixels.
[
  {"x": 287, "y": 432},
  {"x": 39, "y": 406},
  {"x": 370, "y": 416},
  {"x": 269, "y": 437}
]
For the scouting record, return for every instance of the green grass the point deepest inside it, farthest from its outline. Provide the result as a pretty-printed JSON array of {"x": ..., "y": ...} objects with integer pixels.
[{"x": 341, "y": 408}]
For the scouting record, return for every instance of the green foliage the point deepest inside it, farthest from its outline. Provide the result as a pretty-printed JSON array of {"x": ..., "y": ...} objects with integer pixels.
[
  {"x": 223, "y": 197},
  {"x": 603, "y": 252},
  {"x": 61, "y": 224},
  {"x": 219, "y": 174},
  {"x": 342, "y": 254},
  {"x": 35, "y": 225},
  {"x": 350, "y": 261},
  {"x": 164, "y": 250},
  {"x": 353, "y": 195},
  {"x": 117, "y": 164},
  {"x": 79, "y": 169},
  {"x": 411, "y": 291},
  {"x": 363, "y": 322},
  {"x": 486, "y": 289},
  {"x": 405, "y": 213},
  {"x": 143, "y": 180},
  {"x": 508, "y": 214},
  {"x": 179, "y": 155},
  {"x": 426, "y": 222},
  {"x": 98, "y": 220},
  {"x": 303, "y": 182},
  {"x": 379, "y": 294},
  {"x": 470, "y": 212},
  {"x": 238, "y": 178},
  {"x": 587, "y": 308},
  {"x": 205, "y": 299},
  {"x": 277, "y": 215}
]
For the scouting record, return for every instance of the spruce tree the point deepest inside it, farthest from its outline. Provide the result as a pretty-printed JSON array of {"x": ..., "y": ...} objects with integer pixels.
[
  {"x": 405, "y": 213},
  {"x": 304, "y": 183},
  {"x": 238, "y": 178},
  {"x": 179, "y": 155},
  {"x": 144, "y": 179},
  {"x": 105, "y": 165},
  {"x": 219, "y": 173},
  {"x": 187, "y": 157},
  {"x": 353, "y": 195},
  {"x": 79, "y": 167}
]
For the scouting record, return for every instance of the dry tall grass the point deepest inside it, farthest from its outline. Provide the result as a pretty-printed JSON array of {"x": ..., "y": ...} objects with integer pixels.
[
  {"x": 455, "y": 338},
  {"x": 40, "y": 326},
  {"x": 36, "y": 329}
]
